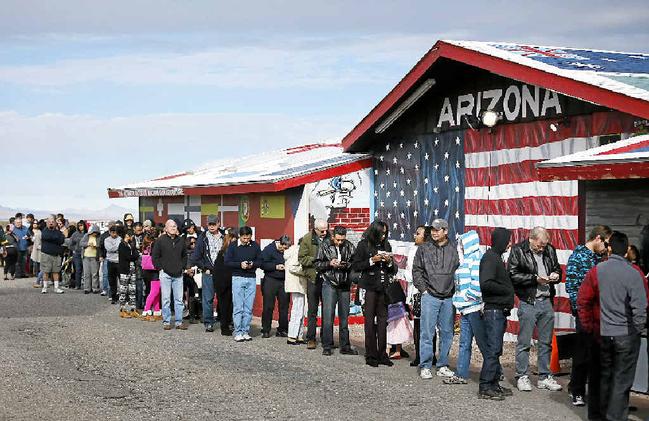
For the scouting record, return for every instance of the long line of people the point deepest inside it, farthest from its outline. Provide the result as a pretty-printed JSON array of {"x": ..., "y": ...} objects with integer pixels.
[{"x": 145, "y": 267}]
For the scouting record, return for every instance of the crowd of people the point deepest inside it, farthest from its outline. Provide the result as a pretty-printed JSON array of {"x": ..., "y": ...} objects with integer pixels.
[{"x": 211, "y": 276}]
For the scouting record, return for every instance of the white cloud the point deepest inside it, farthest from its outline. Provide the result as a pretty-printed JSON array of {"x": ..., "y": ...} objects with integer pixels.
[
  {"x": 83, "y": 155},
  {"x": 308, "y": 62}
]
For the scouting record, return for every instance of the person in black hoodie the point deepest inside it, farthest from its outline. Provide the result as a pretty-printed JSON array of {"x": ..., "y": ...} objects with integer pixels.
[
  {"x": 373, "y": 259},
  {"x": 273, "y": 286},
  {"x": 128, "y": 256},
  {"x": 498, "y": 297}
]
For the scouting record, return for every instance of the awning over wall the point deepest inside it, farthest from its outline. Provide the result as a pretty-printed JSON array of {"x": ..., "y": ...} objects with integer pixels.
[{"x": 620, "y": 160}]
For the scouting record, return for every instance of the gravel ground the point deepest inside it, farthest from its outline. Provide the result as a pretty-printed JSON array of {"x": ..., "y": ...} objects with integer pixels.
[{"x": 71, "y": 357}]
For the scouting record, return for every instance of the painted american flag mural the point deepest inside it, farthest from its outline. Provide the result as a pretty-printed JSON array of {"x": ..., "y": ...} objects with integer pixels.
[{"x": 481, "y": 179}]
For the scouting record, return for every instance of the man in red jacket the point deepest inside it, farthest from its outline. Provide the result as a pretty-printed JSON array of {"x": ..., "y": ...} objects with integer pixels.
[{"x": 611, "y": 369}]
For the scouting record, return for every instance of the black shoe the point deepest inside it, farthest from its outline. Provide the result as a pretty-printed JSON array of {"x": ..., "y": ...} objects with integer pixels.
[
  {"x": 371, "y": 362},
  {"x": 86, "y": 292},
  {"x": 226, "y": 333},
  {"x": 209, "y": 328},
  {"x": 281, "y": 334},
  {"x": 327, "y": 352},
  {"x": 265, "y": 335},
  {"x": 113, "y": 301},
  {"x": 404, "y": 354},
  {"x": 505, "y": 391},
  {"x": 194, "y": 321},
  {"x": 490, "y": 394},
  {"x": 386, "y": 361},
  {"x": 348, "y": 351},
  {"x": 415, "y": 363}
]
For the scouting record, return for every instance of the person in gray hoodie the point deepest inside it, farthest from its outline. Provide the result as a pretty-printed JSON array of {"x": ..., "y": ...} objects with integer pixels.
[
  {"x": 75, "y": 249},
  {"x": 89, "y": 246},
  {"x": 111, "y": 245},
  {"x": 433, "y": 272}
]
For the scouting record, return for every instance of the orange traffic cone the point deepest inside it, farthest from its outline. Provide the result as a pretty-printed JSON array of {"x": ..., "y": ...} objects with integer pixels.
[{"x": 555, "y": 367}]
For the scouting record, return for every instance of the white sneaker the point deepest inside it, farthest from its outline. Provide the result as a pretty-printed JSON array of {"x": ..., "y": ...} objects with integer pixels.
[
  {"x": 59, "y": 291},
  {"x": 44, "y": 291},
  {"x": 426, "y": 374},
  {"x": 578, "y": 400},
  {"x": 549, "y": 383},
  {"x": 445, "y": 372},
  {"x": 247, "y": 337},
  {"x": 238, "y": 338},
  {"x": 524, "y": 384}
]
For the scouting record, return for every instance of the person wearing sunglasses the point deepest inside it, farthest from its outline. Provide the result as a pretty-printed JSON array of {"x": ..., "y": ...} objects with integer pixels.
[{"x": 583, "y": 259}]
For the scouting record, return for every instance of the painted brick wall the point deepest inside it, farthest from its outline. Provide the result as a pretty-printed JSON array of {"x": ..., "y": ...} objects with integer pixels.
[{"x": 357, "y": 219}]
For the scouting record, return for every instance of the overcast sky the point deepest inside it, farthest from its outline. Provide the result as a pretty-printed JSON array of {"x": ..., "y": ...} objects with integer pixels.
[{"x": 112, "y": 92}]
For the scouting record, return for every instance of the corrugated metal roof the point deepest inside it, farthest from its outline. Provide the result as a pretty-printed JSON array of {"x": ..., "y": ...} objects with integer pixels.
[
  {"x": 625, "y": 73},
  {"x": 634, "y": 149},
  {"x": 266, "y": 167}
]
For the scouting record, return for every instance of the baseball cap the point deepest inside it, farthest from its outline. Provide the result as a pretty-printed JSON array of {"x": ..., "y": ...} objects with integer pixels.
[
  {"x": 147, "y": 223},
  {"x": 212, "y": 219},
  {"x": 439, "y": 224}
]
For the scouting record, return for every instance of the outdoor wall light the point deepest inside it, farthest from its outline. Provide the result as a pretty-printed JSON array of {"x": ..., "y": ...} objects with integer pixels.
[
  {"x": 490, "y": 118},
  {"x": 564, "y": 122}
]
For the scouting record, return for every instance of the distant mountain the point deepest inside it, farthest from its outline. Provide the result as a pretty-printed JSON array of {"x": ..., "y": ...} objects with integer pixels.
[{"x": 110, "y": 212}]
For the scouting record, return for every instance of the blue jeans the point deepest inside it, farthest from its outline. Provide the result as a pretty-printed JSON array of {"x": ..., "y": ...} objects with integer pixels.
[
  {"x": 243, "y": 298},
  {"x": 435, "y": 312},
  {"x": 167, "y": 283},
  {"x": 471, "y": 326},
  {"x": 104, "y": 277},
  {"x": 330, "y": 298},
  {"x": 541, "y": 316},
  {"x": 77, "y": 261},
  {"x": 208, "y": 299},
  {"x": 495, "y": 323}
]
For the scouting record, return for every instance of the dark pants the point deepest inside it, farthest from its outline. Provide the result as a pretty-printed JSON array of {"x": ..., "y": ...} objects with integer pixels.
[
  {"x": 194, "y": 303},
  {"x": 223, "y": 288},
  {"x": 314, "y": 295},
  {"x": 113, "y": 278},
  {"x": 618, "y": 358},
  {"x": 416, "y": 332},
  {"x": 10, "y": 262},
  {"x": 20, "y": 264},
  {"x": 594, "y": 378},
  {"x": 495, "y": 323},
  {"x": 274, "y": 289},
  {"x": 376, "y": 334},
  {"x": 330, "y": 298},
  {"x": 580, "y": 361},
  {"x": 77, "y": 261}
]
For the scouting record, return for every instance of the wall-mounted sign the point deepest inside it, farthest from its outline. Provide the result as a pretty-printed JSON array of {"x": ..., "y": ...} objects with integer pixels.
[
  {"x": 174, "y": 191},
  {"x": 244, "y": 210},
  {"x": 515, "y": 102}
]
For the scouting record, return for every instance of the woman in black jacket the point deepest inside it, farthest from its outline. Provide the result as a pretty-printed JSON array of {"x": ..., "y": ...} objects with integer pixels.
[
  {"x": 223, "y": 285},
  {"x": 373, "y": 258}
]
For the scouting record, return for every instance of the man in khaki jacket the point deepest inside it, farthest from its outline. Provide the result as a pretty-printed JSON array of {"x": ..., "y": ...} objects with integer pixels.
[{"x": 306, "y": 255}]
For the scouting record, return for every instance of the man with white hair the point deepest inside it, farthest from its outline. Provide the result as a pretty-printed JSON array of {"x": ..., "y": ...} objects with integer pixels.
[
  {"x": 51, "y": 251},
  {"x": 534, "y": 269},
  {"x": 170, "y": 257},
  {"x": 306, "y": 256}
]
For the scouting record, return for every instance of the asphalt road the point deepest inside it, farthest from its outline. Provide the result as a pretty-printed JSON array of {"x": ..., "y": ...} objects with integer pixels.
[{"x": 69, "y": 357}]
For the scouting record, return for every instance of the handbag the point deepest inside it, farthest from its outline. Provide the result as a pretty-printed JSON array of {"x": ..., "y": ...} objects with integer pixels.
[
  {"x": 416, "y": 305},
  {"x": 147, "y": 262}
]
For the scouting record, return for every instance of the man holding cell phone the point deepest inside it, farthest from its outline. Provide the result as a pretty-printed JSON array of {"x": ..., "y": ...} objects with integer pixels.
[{"x": 534, "y": 270}]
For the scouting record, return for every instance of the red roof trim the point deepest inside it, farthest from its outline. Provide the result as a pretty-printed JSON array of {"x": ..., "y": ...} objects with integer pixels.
[
  {"x": 596, "y": 172},
  {"x": 272, "y": 186},
  {"x": 516, "y": 71},
  {"x": 628, "y": 148}
]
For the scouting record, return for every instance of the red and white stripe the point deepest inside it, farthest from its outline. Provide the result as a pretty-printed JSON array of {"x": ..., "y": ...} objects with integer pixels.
[{"x": 502, "y": 188}]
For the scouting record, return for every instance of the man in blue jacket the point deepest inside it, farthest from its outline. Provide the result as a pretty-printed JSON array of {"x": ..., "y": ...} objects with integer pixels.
[
  {"x": 51, "y": 251},
  {"x": 244, "y": 257},
  {"x": 22, "y": 234},
  {"x": 273, "y": 286},
  {"x": 208, "y": 245}
]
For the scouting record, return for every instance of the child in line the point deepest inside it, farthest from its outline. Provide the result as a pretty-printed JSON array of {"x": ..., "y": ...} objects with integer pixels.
[
  {"x": 128, "y": 255},
  {"x": 151, "y": 281}
]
